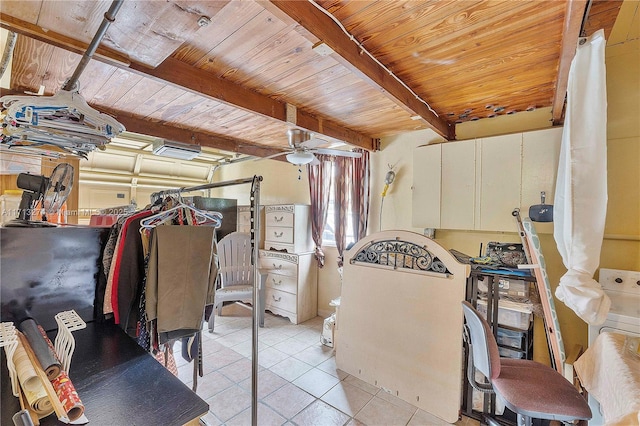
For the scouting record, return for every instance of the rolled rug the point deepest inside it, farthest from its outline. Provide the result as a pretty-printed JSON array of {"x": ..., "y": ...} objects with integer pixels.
[
  {"x": 46, "y": 356},
  {"x": 32, "y": 387},
  {"x": 62, "y": 385}
]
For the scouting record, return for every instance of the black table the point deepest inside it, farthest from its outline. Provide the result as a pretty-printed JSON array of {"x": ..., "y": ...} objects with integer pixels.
[{"x": 118, "y": 382}]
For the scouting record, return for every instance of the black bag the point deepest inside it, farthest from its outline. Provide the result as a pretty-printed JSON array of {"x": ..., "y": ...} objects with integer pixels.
[{"x": 506, "y": 254}]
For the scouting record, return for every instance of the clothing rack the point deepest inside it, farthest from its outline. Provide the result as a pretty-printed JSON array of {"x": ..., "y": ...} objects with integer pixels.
[{"x": 254, "y": 197}]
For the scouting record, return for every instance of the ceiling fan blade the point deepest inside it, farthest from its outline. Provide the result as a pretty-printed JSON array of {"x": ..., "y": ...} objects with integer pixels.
[
  {"x": 313, "y": 143},
  {"x": 315, "y": 161},
  {"x": 337, "y": 152},
  {"x": 273, "y": 155}
]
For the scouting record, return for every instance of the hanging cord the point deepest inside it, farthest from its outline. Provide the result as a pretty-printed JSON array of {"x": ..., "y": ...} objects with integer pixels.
[
  {"x": 388, "y": 180},
  {"x": 362, "y": 49}
]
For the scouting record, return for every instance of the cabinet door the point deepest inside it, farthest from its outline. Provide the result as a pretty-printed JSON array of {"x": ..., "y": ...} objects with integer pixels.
[
  {"x": 500, "y": 173},
  {"x": 458, "y": 185},
  {"x": 427, "y": 166},
  {"x": 540, "y": 154}
]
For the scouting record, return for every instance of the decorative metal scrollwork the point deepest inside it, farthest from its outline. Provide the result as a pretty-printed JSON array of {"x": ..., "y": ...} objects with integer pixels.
[{"x": 400, "y": 254}]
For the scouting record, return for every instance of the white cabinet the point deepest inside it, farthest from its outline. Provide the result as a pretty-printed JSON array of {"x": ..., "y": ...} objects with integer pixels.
[
  {"x": 500, "y": 169},
  {"x": 288, "y": 261},
  {"x": 287, "y": 226},
  {"x": 476, "y": 184},
  {"x": 244, "y": 221},
  {"x": 540, "y": 155},
  {"x": 458, "y": 185},
  {"x": 291, "y": 284},
  {"x": 427, "y": 167}
]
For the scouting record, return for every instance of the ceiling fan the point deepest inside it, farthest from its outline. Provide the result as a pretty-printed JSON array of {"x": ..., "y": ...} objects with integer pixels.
[{"x": 303, "y": 146}]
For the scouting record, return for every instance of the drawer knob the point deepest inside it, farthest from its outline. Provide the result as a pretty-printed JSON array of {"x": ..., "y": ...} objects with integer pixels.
[
  {"x": 278, "y": 219},
  {"x": 278, "y": 235},
  {"x": 277, "y": 266},
  {"x": 276, "y": 300},
  {"x": 276, "y": 282}
]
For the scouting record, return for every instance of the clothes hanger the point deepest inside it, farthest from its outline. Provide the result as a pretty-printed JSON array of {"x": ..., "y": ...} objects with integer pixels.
[
  {"x": 66, "y": 110},
  {"x": 165, "y": 215}
]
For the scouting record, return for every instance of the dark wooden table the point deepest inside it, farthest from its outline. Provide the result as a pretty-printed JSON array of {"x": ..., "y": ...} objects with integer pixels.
[{"x": 119, "y": 384}]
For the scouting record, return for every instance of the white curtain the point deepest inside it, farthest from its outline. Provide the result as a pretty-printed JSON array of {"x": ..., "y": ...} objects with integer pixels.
[{"x": 581, "y": 189}]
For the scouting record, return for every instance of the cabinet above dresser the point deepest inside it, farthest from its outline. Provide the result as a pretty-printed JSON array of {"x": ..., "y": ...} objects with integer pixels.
[{"x": 287, "y": 227}]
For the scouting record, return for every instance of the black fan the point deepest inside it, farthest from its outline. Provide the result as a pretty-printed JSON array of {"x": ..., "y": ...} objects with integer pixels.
[{"x": 52, "y": 191}]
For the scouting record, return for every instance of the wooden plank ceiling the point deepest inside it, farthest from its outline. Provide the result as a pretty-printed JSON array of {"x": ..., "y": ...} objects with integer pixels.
[{"x": 239, "y": 82}]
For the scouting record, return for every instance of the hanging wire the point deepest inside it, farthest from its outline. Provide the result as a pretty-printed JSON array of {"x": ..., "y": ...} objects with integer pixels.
[{"x": 364, "y": 50}]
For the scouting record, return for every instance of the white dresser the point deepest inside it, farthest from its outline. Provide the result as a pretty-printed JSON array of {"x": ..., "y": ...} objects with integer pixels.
[
  {"x": 244, "y": 221},
  {"x": 288, "y": 261}
]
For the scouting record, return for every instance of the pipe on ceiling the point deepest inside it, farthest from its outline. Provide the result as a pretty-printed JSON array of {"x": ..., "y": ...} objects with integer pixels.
[{"x": 109, "y": 17}]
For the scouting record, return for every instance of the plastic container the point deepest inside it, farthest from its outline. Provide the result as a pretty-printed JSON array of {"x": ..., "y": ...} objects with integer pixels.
[
  {"x": 508, "y": 286},
  {"x": 510, "y": 353},
  {"x": 513, "y": 339},
  {"x": 510, "y": 314}
]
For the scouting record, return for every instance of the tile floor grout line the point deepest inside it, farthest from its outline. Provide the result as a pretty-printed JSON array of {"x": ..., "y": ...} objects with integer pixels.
[{"x": 235, "y": 321}]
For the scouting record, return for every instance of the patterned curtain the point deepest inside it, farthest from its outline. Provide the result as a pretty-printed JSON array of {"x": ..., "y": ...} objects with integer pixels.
[
  {"x": 319, "y": 187},
  {"x": 361, "y": 194},
  {"x": 343, "y": 175}
]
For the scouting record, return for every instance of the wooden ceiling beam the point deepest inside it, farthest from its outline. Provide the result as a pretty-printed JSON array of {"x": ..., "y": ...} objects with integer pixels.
[
  {"x": 195, "y": 80},
  {"x": 570, "y": 33},
  {"x": 162, "y": 130},
  {"x": 349, "y": 55}
]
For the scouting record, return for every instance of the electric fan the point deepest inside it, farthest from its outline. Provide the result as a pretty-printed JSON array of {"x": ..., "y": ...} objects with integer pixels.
[{"x": 52, "y": 191}]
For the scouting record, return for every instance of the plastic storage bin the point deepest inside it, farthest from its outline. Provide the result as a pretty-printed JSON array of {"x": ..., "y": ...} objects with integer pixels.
[
  {"x": 508, "y": 287},
  {"x": 510, "y": 353},
  {"x": 513, "y": 339},
  {"x": 510, "y": 314}
]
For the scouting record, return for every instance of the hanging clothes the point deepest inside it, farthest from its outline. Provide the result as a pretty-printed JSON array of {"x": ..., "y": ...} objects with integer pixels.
[
  {"x": 131, "y": 271},
  {"x": 182, "y": 270}
]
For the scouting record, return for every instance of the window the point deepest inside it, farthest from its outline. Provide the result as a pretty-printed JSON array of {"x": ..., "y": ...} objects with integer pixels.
[{"x": 329, "y": 234}]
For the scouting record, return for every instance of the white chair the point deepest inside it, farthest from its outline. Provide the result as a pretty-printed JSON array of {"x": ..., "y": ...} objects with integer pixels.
[{"x": 235, "y": 274}]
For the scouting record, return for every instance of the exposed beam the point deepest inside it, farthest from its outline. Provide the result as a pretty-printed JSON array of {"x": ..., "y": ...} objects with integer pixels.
[
  {"x": 574, "y": 13},
  {"x": 102, "y": 54},
  {"x": 198, "y": 81},
  {"x": 349, "y": 55},
  {"x": 161, "y": 130}
]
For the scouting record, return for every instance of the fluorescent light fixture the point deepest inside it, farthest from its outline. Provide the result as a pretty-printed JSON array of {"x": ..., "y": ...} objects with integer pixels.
[
  {"x": 179, "y": 150},
  {"x": 300, "y": 158}
]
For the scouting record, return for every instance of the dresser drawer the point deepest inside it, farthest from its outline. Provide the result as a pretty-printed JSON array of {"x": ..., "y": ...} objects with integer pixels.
[
  {"x": 279, "y": 218},
  {"x": 279, "y": 263},
  {"x": 281, "y": 300},
  {"x": 244, "y": 217},
  {"x": 279, "y": 234},
  {"x": 282, "y": 282},
  {"x": 285, "y": 248}
]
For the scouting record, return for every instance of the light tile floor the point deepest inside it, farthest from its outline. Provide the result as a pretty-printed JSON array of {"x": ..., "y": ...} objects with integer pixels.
[{"x": 298, "y": 382}]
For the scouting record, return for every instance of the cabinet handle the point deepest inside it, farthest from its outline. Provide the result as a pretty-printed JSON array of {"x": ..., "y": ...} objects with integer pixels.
[
  {"x": 276, "y": 282},
  {"x": 275, "y": 234},
  {"x": 278, "y": 220},
  {"x": 277, "y": 266},
  {"x": 276, "y": 300}
]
